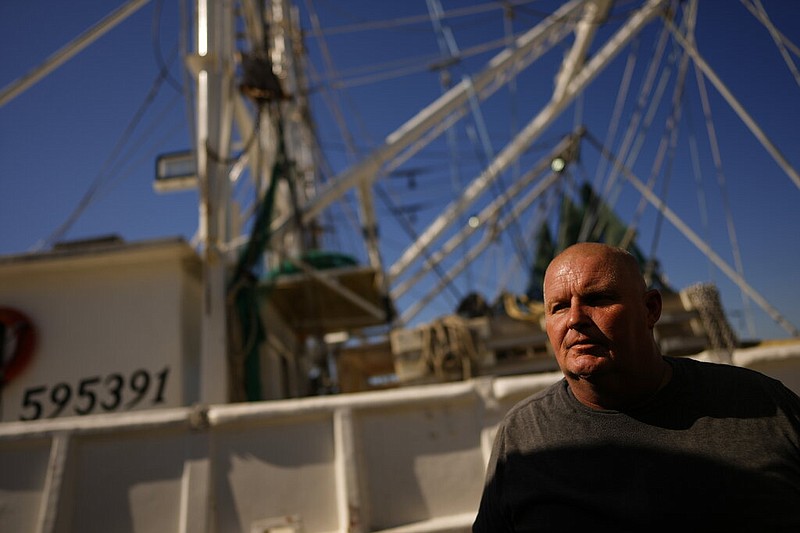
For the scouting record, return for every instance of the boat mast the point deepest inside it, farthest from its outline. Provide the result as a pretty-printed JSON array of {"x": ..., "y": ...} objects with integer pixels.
[{"x": 214, "y": 64}]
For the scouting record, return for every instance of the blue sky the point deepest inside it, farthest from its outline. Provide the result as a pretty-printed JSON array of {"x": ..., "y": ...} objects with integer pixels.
[{"x": 58, "y": 138}]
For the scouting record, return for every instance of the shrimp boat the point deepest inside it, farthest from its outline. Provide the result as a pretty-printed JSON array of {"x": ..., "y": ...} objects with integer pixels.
[{"x": 256, "y": 378}]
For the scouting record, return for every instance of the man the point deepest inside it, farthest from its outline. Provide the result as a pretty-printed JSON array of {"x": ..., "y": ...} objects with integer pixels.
[{"x": 630, "y": 440}]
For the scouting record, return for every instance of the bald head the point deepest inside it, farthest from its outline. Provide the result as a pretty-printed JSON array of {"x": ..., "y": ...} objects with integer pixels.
[{"x": 619, "y": 263}]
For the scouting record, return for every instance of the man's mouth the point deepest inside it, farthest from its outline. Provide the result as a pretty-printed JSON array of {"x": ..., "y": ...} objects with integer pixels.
[
  {"x": 585, "y": 344},
  {"x": 582, "y": 342}
]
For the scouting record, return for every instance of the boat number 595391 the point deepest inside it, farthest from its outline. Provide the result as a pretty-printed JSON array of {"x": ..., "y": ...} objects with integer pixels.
[{"x": 110, "y": 393}]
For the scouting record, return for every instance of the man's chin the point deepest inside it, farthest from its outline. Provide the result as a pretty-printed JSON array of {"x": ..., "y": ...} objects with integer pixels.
[{"x": 587, "y": 365}]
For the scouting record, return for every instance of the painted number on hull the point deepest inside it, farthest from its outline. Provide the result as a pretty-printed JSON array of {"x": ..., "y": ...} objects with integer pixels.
[{"x": 113, "y": 392}]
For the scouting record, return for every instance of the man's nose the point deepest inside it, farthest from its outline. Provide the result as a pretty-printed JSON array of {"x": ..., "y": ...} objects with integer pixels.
[{"x": 577, "y": 315}]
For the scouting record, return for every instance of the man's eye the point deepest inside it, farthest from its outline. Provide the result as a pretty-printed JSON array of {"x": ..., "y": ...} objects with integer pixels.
[{"x": 600, "y": 299}]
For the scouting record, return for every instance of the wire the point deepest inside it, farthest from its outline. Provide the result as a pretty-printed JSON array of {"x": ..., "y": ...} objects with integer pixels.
[
  {"x": 156, "y": 37},
  {"x": 393, "y": 23},
  {"x": 611, "y": 133},
  {"x": 186, "y": 77},
  {"x": 245, "y": 148},
  {"x": 448, "y": 48},
  {"x": 402, "y": 219},
  {"x": 104, "y": 176},
  {"x": 351, "y": 149},
  {"x": 330, "y": 67},
  {"x": 781, "y": 41},
  {"x": 417, "y": 64},
  {"x": 639, "y": 123},
  {"x": 667, "y": 145},
  {"x": 722, "y": 183}
]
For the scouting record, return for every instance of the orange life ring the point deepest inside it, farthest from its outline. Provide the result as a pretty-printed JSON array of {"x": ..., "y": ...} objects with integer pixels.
[{"x": 16, "y": 322}]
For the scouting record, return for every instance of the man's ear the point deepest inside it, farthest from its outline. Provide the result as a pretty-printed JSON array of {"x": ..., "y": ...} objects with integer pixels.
[{"x": 652, "y": 302}]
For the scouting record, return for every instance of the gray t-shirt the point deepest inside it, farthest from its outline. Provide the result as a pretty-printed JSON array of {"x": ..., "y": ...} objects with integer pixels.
[{"x": 717, "y": 449}]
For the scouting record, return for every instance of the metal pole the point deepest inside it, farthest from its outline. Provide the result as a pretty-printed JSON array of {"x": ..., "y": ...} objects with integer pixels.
[
  {"x": 66, "y": 52},
  {"x": 214, "y": 120}
]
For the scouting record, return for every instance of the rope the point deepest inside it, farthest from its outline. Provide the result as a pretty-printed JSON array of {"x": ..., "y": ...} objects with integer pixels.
[
  {"x": 705, "y": 299},
  {"x": 449, "y": 347}
]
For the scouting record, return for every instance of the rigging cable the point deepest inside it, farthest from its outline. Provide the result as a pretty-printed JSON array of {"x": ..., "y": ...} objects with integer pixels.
[
  {"x": 345, "y": 206},
  {"x": 611, "y": 133},
  {"x": 513, "y": 93},
  {"x": 144, "y": 137},
  {"x": 668, "y": 144},
  {"x": 408, "y": 66},
  {"x": 186, "y": 78},
  {"x": 745, "y": 117},
  {"x": 697, "y": 172},
  {"x": 673, "y": 141},
  {"x": 637, "y": 141},
  {"x": 450, "y": 54},
  {"x": 450, "y": 50},
  {"x": 382, "y": 194},
  {"x": 333, "y": 104},
  {"x": 500, "y": 190},
  {"x": 781, "y": 41},
  {"x": 513, "y": 96},
  {"x": 498, "y": 186},
  {"x": 104, "y": 175},
  {"x": 415, "y": 65},
  {"x": 488, "y": 237},
  {"x": 415, "y": 19},
  {"x": 592, "y": 224},
  {"x": 716, "y": 157},
  {"x": 701, "y": 245},
  {"x": 156, "y": 38},
  {"x": 402, "y": 218},
  {"x": 330, "y": 67}
]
